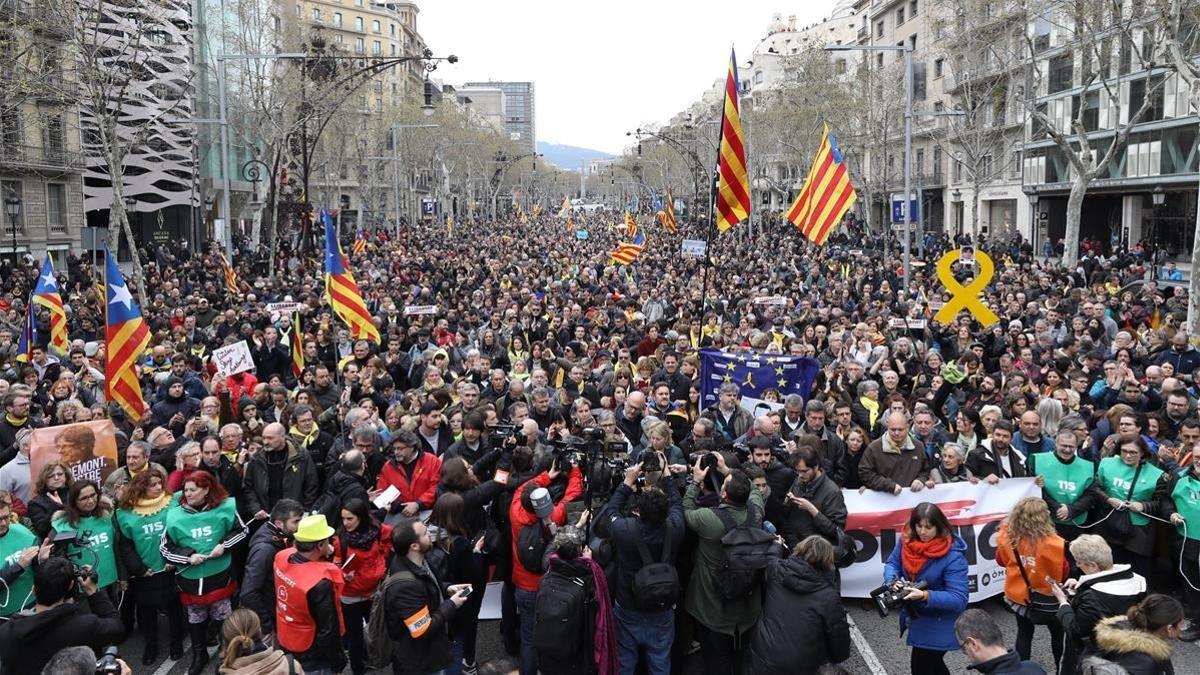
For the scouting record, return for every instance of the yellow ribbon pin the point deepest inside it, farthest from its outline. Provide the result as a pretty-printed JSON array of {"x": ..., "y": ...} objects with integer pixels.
[{"x": 965, "y": 297}]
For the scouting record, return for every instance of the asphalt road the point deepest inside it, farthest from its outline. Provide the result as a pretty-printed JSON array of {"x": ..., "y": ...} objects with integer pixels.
[{"x": 878, "y": 648}]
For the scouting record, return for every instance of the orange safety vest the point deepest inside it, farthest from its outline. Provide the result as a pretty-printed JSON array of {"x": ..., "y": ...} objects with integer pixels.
[
  {"x": 1048, "y": 558},
  {"x": 293, "y": 622}
]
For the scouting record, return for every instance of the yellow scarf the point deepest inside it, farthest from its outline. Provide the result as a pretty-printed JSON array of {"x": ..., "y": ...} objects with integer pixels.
[
  {"x": 872, "y": 407},
  {"x": 305, "y": 439},
  {"x": 16, "y": 421},
  {"x": 149, "y": 507}
]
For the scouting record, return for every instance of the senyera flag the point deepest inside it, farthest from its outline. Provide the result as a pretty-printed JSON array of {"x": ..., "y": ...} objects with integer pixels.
[
  {"x": 126, "y": 337},
  {"x": 733, "y": 186},
  {"x": 827, "y": 194},
  {"x": 344, "y": 296}
]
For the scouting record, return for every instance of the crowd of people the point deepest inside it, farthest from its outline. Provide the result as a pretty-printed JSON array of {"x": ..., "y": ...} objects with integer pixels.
[{"x": 533, "y": 415}]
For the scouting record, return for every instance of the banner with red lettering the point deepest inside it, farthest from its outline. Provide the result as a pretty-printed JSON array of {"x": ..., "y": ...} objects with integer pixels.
[{"x": 975, "y": 511}]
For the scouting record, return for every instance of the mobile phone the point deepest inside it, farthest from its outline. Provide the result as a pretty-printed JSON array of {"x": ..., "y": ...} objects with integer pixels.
[
  {"x": 467, "y": 591},
  {"x": 1052, "y": 581}
]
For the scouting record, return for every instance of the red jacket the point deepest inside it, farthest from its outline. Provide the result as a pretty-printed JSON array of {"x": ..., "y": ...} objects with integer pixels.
[
  {"x": 369, "y": 566},
  {"x": 425, "y": 478},
  {"x": 519, "y": 517}
]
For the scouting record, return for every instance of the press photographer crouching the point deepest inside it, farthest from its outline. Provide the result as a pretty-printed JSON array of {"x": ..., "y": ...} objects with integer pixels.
[{"x": 30, "y": 639}]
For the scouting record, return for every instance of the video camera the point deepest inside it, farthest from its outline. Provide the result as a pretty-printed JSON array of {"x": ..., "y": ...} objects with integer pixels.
[
  {"x": 499, "y": 434},
  {"x": 888, "y": 596},
  {"x": 60, "y": 547}
]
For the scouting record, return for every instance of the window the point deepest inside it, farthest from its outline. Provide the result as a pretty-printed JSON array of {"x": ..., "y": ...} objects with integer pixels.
[
  {"x": 839, "y": 67},
  {"x": 937, "y": 165},
  {"x": 938, "y": 67},
  {"x": 879, "y": 59},
  {"x": 358, "y": 23},
  {"x": 912, "y": 8},
  {"x": 919, "y": 81},
  {"x": 55, "y": 138},
  {"x": 919, "y": 166},
  {"x": 393, "y": 27},
  {"x": 10, "y": 127},
  {"x": 1061, "y": 73},
  {"x": 1041, "y": 34},
  {"x": 879, "y": 28},
  {"x": 912, "y": 41},
  {"x": 317, "y": 14},
  {"x": 1137, "y": 95},
  {"x": 358, "y": 45},
  {"x": 56, "y": 206},
  {"x": 1091, "y": 110},
  {"x": 375, "y": 26},
  {"x": 376, "y": 48},
  {"x": 899, "y": 16},
  {"x": 276, "y": 24},
  {"x": 393, "y": 50},
  {"x": 8, "y": 44},
  {"x": 957, "y": 170},
  {"x": 337, "y": 19},
  {"x": 378, "y": 105},
  {"x": 985, "y": 166},
  {"x": 299, "y": 11}
]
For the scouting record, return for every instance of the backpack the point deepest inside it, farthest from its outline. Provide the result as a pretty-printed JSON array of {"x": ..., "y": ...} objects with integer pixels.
[
  {"x": 1098, "y": 665},
  {"x": 329, "y": 506},
  {"x": 748, "y": 549},
  {"x": 656, "y": 584},
  {"x": 532, "y": 542},
  {"x": 564, "y": 619},
  {"x": 379, "y": 645}
]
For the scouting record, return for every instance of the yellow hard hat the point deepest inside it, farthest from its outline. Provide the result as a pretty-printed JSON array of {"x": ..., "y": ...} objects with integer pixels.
[{"x": 313, "y": 528}]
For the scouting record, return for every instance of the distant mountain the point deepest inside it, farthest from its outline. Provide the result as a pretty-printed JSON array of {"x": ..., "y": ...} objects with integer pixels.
[{"x": 569, "y": 157}]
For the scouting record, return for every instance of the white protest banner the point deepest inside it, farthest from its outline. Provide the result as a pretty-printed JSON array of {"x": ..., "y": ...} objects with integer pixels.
[
  {"x": 975, "y": 511},
  {"x": 278, "y": 309},
  {"x": 419, "y": 310},
  {"x": 776, "y": 300},
  {"x": 693, "y": 248},
  {"x": 233, "y": 359}
]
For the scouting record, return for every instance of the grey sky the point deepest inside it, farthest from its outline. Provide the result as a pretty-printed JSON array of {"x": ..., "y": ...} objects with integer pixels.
[{"x": 601, "y": 68}]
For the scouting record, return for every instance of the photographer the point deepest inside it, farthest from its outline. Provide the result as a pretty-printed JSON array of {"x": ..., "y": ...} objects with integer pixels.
[
  {"x": 779, "y": 475},
  {"x": 28, "y": 641},
  {"x": 653, "y": 535}
]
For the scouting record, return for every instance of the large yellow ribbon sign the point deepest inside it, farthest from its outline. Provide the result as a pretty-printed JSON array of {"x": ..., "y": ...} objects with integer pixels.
[{"x": 965, "y": 297}]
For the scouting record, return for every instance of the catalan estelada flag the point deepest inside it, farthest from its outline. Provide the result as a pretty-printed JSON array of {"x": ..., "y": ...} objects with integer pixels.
[
  {"x": 827, "y": 193},
  {"x": 45, "y": 294},
  {"x": 231, "y": 279},
  {"x": 631, "y": 226},
  {"x": 570, "y": 225},
  {"x": 733, "y": 186},
  {"x": 297, "y": 343},
  {"x": 627, "y": 252},
  {"x": 28, "y": 339},
  {"x": 341, "y": 289},
  {"x": 360, "y": 244},
  {"x": 667, "y": 215},
  {"x": 126, "y": 336}
]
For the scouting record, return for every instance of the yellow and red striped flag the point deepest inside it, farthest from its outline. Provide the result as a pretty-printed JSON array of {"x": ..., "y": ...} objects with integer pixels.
[
  {"x": 827, "y": 193},
  {"x": 570, "y": 225},
  {"x": 45, "y": 294},
  {"x": 667, "y": 215},
  {"x": 126, "y": 337},
  {"x": 297, "y": 344},
  {"x": 631, "y": 226},
  {"x": 627, "y": 252},
  {"x": 733, "y": 188},
  {"x": 231, "y": 279},
  {"x": 342, "y": 290},
  {"x": 360, "y": 244}
]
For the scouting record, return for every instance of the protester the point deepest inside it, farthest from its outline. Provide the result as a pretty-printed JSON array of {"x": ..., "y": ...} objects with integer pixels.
[
  {"x": 1139, "y": 641},
  {"x": 1035, "y": 559},
  {"x": 258, "y": 577},
  {"x": 88, "y": 515},
  {"x": 361, "y": 549},
  {"x": 983, "y": 643},
  {"x": 246, "y": 653},
  {"x": 929, "y": 551},
  {"x": 1133, "y": 488},
  {"x": 308, "y": 613}
]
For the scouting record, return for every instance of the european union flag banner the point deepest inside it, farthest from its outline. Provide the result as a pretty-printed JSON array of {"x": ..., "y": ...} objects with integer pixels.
[{"x": 754, "y": 373}]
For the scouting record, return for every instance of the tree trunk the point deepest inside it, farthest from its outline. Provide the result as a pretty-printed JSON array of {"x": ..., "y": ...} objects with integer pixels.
[
  {"x": 138, "y": 277},
  {"x": 273, "y": 216},
  {"x": 1074, "y": 213},
  {"x": 973, "y": 215}
]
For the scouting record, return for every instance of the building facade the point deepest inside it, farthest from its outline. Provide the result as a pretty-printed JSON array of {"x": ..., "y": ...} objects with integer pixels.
[{"x": 519, "y": 111}]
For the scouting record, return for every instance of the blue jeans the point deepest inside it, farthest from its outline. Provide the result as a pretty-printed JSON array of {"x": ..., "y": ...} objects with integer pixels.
[
  {"x": 652, "y": 631},
  {"x": 525, "y": 605},
  {"x": 456, "y": 657}
]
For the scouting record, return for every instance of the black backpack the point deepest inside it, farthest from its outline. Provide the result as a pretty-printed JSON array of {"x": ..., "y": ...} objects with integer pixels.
[
  {"x": 564, "y": 620},
  {"x": 656, "y": 584},
  {"x": 749, "y": 549},
  {"x": 532, "y": 542}
]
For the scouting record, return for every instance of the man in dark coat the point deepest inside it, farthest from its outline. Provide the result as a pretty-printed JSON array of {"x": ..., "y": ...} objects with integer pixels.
[
  {"x": 277, "y": 471},
  {"x": 814, "y": 504},
  {"x": 258, "y": 589},
  {"x": 983, "y": 644}
]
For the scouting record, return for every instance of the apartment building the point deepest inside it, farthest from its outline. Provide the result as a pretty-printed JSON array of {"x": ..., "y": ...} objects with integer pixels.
[
  {"x": 40, "y": 162},
  {"x": 519, "y": 111}
]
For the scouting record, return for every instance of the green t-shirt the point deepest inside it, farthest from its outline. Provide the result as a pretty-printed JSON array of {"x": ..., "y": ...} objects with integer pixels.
[
  {"x": 100, "y": 538},
  {"x": 201, "y": 532},
  {"x": 20, "y": 592},
  {"x": 1186, "y": 495},
  {"x": 1115, "y": 476},
  {"x": 1065, "y": 483},
  {"x": 145, "y": 531}
]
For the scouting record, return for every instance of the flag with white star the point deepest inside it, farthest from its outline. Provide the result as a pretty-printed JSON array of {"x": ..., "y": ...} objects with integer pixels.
[
  {"x": 126, "y": 337},
  {"x": 46, "y": 294},
  {"x": 756, "y": 373}
]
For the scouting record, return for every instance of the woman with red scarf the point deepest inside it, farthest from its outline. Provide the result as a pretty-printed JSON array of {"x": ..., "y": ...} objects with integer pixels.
[{"x": 929, "y": 552}]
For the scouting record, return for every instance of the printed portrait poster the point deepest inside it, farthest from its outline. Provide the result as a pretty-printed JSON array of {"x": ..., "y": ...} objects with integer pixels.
[{"x": 89, "y": 448}]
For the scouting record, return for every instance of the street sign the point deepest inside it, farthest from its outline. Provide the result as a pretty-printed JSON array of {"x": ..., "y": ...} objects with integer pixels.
[
  {"x": 693, "y": 248},
  {"x": 898, "y": 207}
]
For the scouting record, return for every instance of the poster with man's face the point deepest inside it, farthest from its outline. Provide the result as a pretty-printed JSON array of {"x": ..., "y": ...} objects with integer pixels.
[{"x": 89, "y": 448}]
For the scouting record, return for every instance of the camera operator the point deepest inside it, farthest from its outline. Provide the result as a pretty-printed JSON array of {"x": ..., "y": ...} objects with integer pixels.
[
  {"x": 645, "y": 620},
  {"x": 29, "y": 640}
]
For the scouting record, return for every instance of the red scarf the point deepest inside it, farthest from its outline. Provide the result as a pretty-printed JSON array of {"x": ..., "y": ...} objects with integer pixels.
[{"x": 916, "y": 552}]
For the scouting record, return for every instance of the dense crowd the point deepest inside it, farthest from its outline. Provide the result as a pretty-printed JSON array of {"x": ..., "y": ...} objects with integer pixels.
[{"x": 533, "y": 415}]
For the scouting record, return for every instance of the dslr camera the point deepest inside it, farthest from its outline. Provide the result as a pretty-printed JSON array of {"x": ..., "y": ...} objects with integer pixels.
[
  {"x": 60, "y": 547},
  {"x": 890, "y": 596},
  {"x": 499, "y": 434},
  {"x": 107, "y": 663}
]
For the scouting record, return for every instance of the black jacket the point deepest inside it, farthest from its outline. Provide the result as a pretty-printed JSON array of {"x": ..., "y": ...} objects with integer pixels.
[
  {"x": 1008, "y": 664},
  {"x": 1099, "y": 596},
  {"x": 779, "y": 478},
  {"x": 831, "y": 512},
  {"x": 299, "y": 480},
  {"x": 41, "y": 510},
  {"x": 625, "y": 531},
  {"x": 982, "y": 461},
  {"x": 800, "y": 601},
  {"x": 344, "y": 485},
  {"x": 426, "y": 647},
  {"x": 258, "y": 582},
  {"x": 832, "y": 452},
  {"x": 27, "y": 642},
  {"x": 227, "y": 474}
]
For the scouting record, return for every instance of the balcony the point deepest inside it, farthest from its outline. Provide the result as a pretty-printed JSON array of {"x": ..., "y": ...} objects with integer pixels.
[
  {"x": 27, "y": 13},
  {"x": 18, "y": 157},
  {"x": 57, "y": 90}
]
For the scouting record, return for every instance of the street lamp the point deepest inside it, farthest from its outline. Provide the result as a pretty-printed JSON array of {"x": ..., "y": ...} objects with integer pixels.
[
  {"x": 428, "y": 109},
  {"x": 1159, "y": 199},
  {"x": 956, "y": 198},
  {"x": 12, "y": 206}
]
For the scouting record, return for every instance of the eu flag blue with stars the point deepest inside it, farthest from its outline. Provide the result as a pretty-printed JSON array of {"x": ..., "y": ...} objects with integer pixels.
[{"x": 754, "y": 373}]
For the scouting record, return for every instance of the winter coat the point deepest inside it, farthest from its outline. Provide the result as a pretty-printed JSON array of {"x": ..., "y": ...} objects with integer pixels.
[
  {"x": 418, "y": 486},
  {"x": 1008, "y": 664},
  {"x": 264, "y": 661},
  {"x": 882, "y": 467},
  {"x": 799, "y": 601},
  {"x": 368, "y": 565},
  {"x": 28, "y": 641},
  {"x": 345, "y": 486},
  {"x": 258, "y": 582},
  {"x": 1138, "y": 652},
  {"x": 626, "y": 531},
  {"x": 417, "y": 614},
  {"x": 1098, "y": 596},
  {"x": 739, "y": 422},
  {"x": 831, "y": 512},
  {"x": 518, "y": 518},
  {"x": 299, "y": 480},
  {"x": 930, "y": 624}
]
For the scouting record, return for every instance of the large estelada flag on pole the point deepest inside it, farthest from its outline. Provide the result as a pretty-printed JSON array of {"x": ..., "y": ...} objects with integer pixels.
[
  {"x": 754, "y": 373},
  {"x": 126, "y": 337},
  {"x": 342, "y": 290},
  {"x": 45, "y": 294},
  {"x": 296, "y": 342},
  {"x": 827, "y": 193},
  {"x": 733, "y": 186}
]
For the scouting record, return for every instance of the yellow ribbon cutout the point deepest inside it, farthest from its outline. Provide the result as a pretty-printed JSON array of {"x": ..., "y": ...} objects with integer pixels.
[{"x": 965, "y": 297}]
